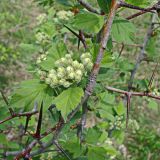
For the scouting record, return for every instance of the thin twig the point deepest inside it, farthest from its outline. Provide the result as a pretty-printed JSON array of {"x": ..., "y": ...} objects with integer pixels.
[
  {"x": 88, "y": 6},
  {"x": 126, "y": 5},
  {"x": 25, "y": 114},
  {"x": 142, "y": 53},
  {"x": 155, "y": 7},
  {"x": 139, "y": 94}
]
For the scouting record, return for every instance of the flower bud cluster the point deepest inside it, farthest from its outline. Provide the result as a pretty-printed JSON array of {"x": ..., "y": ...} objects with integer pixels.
[
  {"x": 86, "y": 60},
  {"x": 42, "y": 75},
  {"x": 67, "y": 71},
  {"x": 64, "y": 15},
  {"x": 41, "y": 18},
  {"x": 41, "y": 58},
  {"x": 118, "y": 123},
  {"x": 42, "y": 38},
  {"x": 133, "y": 124}
]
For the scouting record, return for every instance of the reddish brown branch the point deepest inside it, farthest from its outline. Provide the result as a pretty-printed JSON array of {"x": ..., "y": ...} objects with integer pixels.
[
  {"x": 88, "y": 6},
  {"x": 14, "y": 115},
  {"x": 140, "y": 94},
  {"x": 138, "y": 14},
  {"x": 126, "y": 5}
]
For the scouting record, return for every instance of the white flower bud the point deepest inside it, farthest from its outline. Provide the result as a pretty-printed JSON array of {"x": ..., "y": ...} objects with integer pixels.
[
  {"x": 69, "y": 61},
  {"x": 69, "y": 69},
  {"x": 43, "y": 56},
  {"x": 78, "y": 78},
  {"x": 51, "y": 75},
  {"x": 62, "y": 81},
  {"x": 71, "y": 75},
  {"x": 41, "y": 18},
  {"x": 81, "y": 66},
  {"x": 83, "y": 56},
  {"x": 66, "y": 84},
  {"x": 78, "y": 73},
  {"x": 54, "y": 81},
  {"x": 86, "y": 61},
  {"x": 48, "y": 80},
  {"x": 60, "y": 74},
  {"x": 63, "y": 60},
  {"x": 75, "y": 64},
  {"x": 88, "y": 55},
  {"x": 89, "y": 65},
  {"x": 61, "y": 70},
  {"x": 52, "y": 71},
  {"x": 68, "y": 56}
]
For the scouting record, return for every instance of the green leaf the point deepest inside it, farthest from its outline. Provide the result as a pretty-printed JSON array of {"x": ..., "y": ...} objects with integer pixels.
[
  {"x": 105, "y": 106},
  {"x": 141, "y": 3},
  {"x": 120, "y": 109},
  {"x": 56, "y": 52},
  {"x": 3, "y": 139},
  {"x": 68, "y": 100},
  {"x": 89, "y": 22},
  {"x": 151, "y": 47},
  {"x": 73, "y": 147},
  {"x": 105, "y": 5},
  {"x": 49, "y": 28},
  {"x": 32, "y": 91},
  {"x": 92, "y": 135},
  {"x": 110, "y": 150},
  {"x": 123, "y": 31},
  {"x": 118, "y": 136},
  {"x": 96, "y": 153}
]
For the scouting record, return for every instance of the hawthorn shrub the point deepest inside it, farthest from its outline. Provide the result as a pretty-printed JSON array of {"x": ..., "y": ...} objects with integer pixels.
[{"x": 78, "y": 103}]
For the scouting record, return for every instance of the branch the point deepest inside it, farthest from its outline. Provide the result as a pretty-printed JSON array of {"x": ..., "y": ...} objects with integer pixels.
[
  {"x": 126, "y": 5},
  {"x": 138, "y": 14},
  {"x": 140, "y": 94},
  {"x": 96, "y": 67},
  {"x": 7, "y": 103},
  {"x": 142, "y": 53},
  {"x": 14, "y": 115},
  {"x": 88, "y": 6},
  {"x": 155, "y": 7}
]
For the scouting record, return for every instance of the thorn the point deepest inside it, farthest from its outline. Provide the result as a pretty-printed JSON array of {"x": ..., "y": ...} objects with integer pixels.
[
  {"x": 38, "y": 131},
  {"x": 152, "y": 77},
  {"x": 27, "y": 122},
  {"x": 77, "y": 35},
  {"x": 128, "y": 108},
  {"x": 4, "y": 98}
]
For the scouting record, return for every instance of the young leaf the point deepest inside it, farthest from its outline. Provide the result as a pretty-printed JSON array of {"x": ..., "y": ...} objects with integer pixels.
[
  {"x": 88, "y": 22},
  {"x": 141, "y": 3},
  {"x": 120, "y": 109},
  {"x": 105, "y": 5},
  {"x": 68, "y": 100},
  {"x": 56, "y": 52},
  {"x": 96, "y": 153},
  {"x": 32, "y": 91},
  {"x": 123, "y": 31}
]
